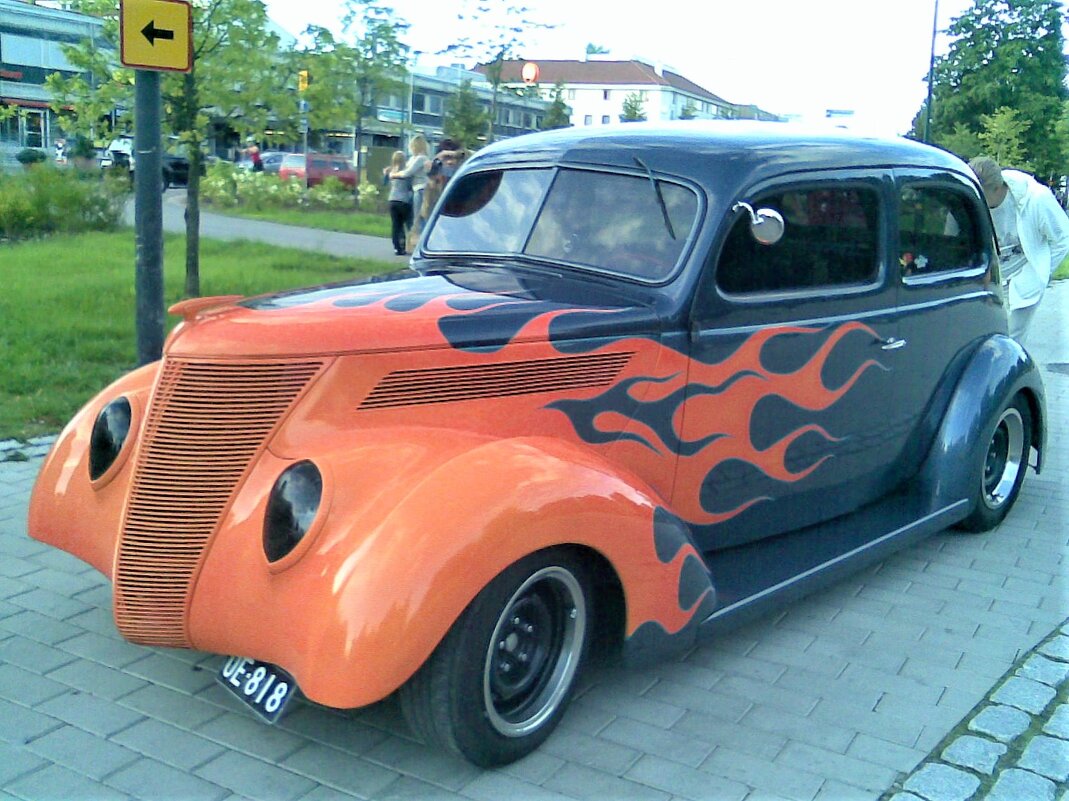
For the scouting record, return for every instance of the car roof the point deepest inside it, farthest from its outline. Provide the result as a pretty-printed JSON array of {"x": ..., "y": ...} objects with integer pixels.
[{"x": 749, "y": 149}]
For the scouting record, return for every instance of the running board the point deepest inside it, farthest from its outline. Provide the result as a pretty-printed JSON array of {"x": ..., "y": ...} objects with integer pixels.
[{"x": 750, "y": 579}]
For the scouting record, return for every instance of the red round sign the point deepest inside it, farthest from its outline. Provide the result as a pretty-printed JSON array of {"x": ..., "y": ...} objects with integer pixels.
[{"x": 529, "y": 73}]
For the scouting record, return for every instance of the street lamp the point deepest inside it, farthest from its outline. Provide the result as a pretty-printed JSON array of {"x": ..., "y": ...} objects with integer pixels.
[{"x": 931, "y": 75}]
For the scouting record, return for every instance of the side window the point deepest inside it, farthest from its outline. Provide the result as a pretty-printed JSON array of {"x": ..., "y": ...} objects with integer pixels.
[
  {"x": 938, "y": 231},
  {"x": 831, "y": 239}
]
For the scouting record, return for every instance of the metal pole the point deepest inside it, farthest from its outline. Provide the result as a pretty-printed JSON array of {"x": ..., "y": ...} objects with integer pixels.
[
  {"x": 931, "y": 75},
  {"x": 148, "y": 215}
]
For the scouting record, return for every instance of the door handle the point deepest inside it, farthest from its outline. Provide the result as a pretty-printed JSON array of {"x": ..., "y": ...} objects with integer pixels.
[{"x": 892, "y": 343}]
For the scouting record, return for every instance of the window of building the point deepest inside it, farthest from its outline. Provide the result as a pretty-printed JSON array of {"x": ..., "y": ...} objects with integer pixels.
[
  {"x": 588, "y": 119},
  {"x": 831, "y": 239},
  {"x": 938, "y": 231},
  {"x": 571, "y": 94},
  {"x": 604, "y": 119},
  {"x": 605, "y": 94}
]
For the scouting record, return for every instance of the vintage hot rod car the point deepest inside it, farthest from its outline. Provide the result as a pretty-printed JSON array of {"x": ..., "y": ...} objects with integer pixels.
[{"x": 643, "y": 381}]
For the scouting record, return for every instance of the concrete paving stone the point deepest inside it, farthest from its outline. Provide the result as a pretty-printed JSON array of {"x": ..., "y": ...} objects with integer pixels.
[
  {"x": 684, "y": 782},
  {"x": 19, "y": 724},
  {"x": 56, "y": 783},
  {"x": 689, "y": 674},
  {"x": 1046, "y": 756},
  {"x": 938, "y": 782},
  {"x": 763, "y": 774},
  {"x": 1058, "y": 725},
  {"x": 905, "y": 797},
  {"x": 11, "y": 587},
  {"x": 437, "y": 767},
  {"x": 97, "y": 679},
  {"x": 63, "y": 581},
  {"x": 1001, "y": 722},
  {"x": 33, "y": 656},
  {"x": 583, "y": 750},
  {"x": 586, "y": 783},
  {"x": 724, "y": 705},
  {"x": 16, "y": 761},
  {"x": 171, "y": 707},
  {"x": 748, "y": 666},
  {"x": 975, "y": 753},
  {"x": 50, "y": 603},
  {"x": 878, "y": 723},
  {"x": 585, "y": 719},
  {"x": 812, "y": 730},
  {"x": 794, "y": 701},
  {"x": 1021, "y": 785},
  {"x": 172, "y": 673},
  {"x": 82, "y": 752},
  {"x": 251, "y": 736},
  {"x": 331, "y": 728},
  {"x": 980, "y": 666},
  {"x": 536, "y": 768},
  {"x": 26, "y": 687},
  {"x": 1057, "y": 648},
  {"x": 148, "y": 778},
  {"x": 747, "y": 739},
  {"x": 857, "y": 772},
  {"x": 107, "y": 651},
  {"x": 95, "y": 619},
  {"x": 881, "y": 752},
  {"x": 170, "y": 745},
  {"x": 816, "y": 663},
  {"x": 643, "y": 709},
  {"x": 13, "y": 567},
  {"x": 89, "y": 712},
  {"x": 840, "y": 791},
  {"x": 1039, "y": 668},
  {"x": 1025, "y": 694},
  {"x": 326, "y": 765},
  {"x": 19, "y": 545},
  {"x": 256, "y": 778},
  {"x": 494, "y": 786},
  {"x": 404, "y": 789},
  {"x": 652, "y": 740},
  {"x": 38, "y": 627}
]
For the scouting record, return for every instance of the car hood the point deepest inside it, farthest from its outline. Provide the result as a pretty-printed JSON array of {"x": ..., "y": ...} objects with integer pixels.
[{"x": 470, "y": 310}]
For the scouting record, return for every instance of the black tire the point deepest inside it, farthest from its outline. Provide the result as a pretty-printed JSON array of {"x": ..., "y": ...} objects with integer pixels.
[
  {"x": 1000, "y": 466},
  {"x": 499, "y": 682}
]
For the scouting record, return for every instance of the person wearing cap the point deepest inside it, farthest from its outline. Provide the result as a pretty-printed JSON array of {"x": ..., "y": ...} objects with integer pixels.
[{"x": 1033, "y": 236}]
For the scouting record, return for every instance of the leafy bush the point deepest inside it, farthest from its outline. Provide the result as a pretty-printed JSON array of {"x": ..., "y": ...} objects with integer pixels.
[
  {"x": 49, "y": 200},
  {"x": 331, "y": 194},
  {"x": 30, "y": 155},
  {"x": 367, "y": 196},
  {"x": 226, "y": 186}
]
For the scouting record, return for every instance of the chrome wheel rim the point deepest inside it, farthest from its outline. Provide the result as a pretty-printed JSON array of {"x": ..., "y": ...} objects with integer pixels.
[
  {"x": 534, "y": 652},
  {"x": 1005, "y": 459}
]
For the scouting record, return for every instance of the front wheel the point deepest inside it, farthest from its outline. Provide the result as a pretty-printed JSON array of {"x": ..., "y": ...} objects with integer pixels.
[
  {"x": 1001, "y": 467},
  {"x": 500, "y": 680}
]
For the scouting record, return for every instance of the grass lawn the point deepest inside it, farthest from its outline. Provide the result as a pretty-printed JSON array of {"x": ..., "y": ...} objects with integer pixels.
[
  {"x": 68, "y": 312},
  {"x": 347, "y": 222}
]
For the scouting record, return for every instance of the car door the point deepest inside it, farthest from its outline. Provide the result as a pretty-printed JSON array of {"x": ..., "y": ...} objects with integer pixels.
[
  {"x": 948, "y": 297},
  {"x": 792, "y": 414}
]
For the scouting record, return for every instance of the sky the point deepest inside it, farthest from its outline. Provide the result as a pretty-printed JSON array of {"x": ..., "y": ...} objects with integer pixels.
[{"x": 791, "y": 57}]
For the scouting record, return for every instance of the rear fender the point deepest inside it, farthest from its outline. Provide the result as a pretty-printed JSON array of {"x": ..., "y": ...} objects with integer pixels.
[
  {"x": 399, "y": 557},
  {"x": 998, "y": 370}
]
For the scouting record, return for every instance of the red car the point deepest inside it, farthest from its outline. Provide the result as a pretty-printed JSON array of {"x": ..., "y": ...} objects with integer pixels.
[{"x": 314, "y": 168}]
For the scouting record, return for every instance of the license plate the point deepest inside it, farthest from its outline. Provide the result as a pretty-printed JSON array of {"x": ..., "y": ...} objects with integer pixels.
[{"x": 260, "y": 685}]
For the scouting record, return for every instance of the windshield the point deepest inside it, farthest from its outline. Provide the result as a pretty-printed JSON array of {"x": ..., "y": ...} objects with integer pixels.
[{"x": 607, "y": 221}]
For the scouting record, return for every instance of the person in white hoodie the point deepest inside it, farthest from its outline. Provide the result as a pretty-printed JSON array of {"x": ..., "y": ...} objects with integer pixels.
[{"x": 1033, "y": 237}]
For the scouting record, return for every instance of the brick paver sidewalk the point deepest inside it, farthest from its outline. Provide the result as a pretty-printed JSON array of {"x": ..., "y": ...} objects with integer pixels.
[{"x": 840, "y": 696}]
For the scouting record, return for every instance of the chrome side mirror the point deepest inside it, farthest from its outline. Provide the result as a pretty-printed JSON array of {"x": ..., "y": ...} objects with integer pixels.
[{"x": 766, "y": 225}]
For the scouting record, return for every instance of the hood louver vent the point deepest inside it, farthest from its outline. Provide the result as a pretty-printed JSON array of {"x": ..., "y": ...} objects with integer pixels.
[{"x": 470, "y": 382}]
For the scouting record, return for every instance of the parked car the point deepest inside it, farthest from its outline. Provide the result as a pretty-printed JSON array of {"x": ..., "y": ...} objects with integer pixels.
[
  {"x": 314, "y": 168},
  {"x": 120, "y": 154},
  {"x": 646, "y": 381},
  {"x": 271, "y": 159}
]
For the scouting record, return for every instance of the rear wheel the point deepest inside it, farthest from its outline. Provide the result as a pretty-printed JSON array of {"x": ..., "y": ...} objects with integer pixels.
[
  {"x": 1000, "y": 468},
  {"x": 499, "y": 682}
]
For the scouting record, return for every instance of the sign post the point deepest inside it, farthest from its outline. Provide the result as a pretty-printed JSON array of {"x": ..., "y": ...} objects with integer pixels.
[{"x": 155, "y": 36}]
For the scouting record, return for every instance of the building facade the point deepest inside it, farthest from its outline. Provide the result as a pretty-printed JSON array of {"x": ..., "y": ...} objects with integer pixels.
[
  {"x": 596, "y": 91},
  {"x": 31, "y": 48}
]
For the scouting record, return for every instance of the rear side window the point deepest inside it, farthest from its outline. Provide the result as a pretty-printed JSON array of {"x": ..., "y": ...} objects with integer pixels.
[
  {"x": 831, "y": 239},
  {"x": 938, "y": 231}
]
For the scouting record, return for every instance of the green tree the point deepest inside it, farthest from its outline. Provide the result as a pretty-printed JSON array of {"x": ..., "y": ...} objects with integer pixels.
[
  {"x": 465, "y": 119},
  {"x": 596, "y": 50},
  {"x": 351, "y": 74},
  {"x": 234, "y": 78},
  {"x": 557, "y": 115},
  {"x": 688, "y": 112},
  {"x": 634, "y": 108},
  {"x": 1002, "y": 138},
  {"x": 503, "y": 31},
  {"x": 1004, "y": 54}
]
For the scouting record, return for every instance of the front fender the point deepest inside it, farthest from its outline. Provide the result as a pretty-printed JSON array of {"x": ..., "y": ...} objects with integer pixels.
[
  {"x": 998, "y": 369},
  {"x": 403, "y": 550},
  {"x": 67, "y": 509}
]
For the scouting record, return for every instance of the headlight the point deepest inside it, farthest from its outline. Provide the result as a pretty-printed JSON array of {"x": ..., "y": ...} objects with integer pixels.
[
  {"x": 291, "y": 509},
  {"x": 110, "y": 431}
]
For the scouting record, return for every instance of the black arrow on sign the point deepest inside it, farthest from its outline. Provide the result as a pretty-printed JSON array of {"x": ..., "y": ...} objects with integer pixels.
[{"x": 152, "y": 33}]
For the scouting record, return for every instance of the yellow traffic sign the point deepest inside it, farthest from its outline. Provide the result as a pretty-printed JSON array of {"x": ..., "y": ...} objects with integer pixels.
[{"x": 156, "y": 34}]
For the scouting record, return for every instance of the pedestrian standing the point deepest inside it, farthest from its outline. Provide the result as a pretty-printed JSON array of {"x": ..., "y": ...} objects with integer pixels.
[
  {"x": 1033, "y": 237},
  {"x": 400, "y": 200}
]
